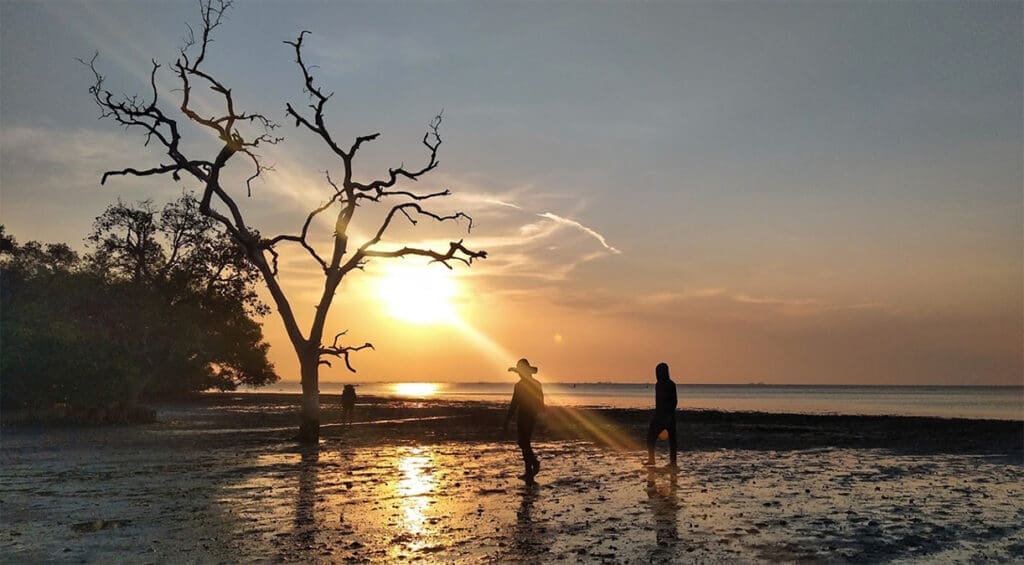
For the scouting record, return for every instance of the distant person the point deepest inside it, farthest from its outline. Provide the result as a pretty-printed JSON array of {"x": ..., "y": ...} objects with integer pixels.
[
  {"x": 664, "y": 419},
  {"x": 527, "y": 403},
  {"x": 348, "y": 403}
]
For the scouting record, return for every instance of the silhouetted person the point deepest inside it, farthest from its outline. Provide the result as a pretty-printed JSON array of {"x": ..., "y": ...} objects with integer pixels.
[
  {"x": 348, "y": 403},
  {"x": 664, "y": 413},
  {"x": 527, "y": 403}
]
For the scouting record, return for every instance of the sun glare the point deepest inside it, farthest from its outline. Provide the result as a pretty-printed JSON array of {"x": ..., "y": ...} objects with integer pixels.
[
  {"x": 419, "y": 294},
  {"x": 415, "y": 389}
]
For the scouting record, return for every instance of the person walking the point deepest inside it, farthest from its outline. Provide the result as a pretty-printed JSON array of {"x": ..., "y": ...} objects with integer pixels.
[
  {"x": 527, "y": 404},
  {"x": 348, "y": 403},
  {"x": 664, "y": 419}
]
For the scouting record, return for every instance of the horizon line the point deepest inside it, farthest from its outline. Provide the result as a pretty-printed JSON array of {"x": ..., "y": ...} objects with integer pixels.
[{"x": 690, "y": 383}]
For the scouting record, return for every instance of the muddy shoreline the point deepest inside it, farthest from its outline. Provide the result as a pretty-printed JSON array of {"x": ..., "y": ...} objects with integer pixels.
[
  {"x": 378, "y": 418},
  {"x": 219, "y": 481}
]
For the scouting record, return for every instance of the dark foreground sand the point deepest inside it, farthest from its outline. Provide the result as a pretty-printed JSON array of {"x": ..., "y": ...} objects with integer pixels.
[{"x": 218, "y": 480}]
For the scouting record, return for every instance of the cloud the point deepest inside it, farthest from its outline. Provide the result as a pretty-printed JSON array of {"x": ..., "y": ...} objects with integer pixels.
[
  {"x": 506, "y": 204},
  {"x": 544, "y": 249},
  {"x": 566, "y": 221}
]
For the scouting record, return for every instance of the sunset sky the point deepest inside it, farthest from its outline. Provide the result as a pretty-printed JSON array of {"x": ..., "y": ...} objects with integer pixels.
[{"x": 824, "y": 193}]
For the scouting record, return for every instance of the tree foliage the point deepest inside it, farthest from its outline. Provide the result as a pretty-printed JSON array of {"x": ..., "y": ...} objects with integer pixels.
[{"x": 159, "y": 308}]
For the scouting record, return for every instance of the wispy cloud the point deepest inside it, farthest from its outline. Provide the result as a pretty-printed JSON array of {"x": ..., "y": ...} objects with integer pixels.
[
  {"x": 566, "y": 221},
  {"x": 506, "y": 204}
]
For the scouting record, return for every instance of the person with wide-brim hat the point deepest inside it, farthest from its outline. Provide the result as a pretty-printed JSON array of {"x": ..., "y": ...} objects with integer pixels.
[{"x": 527, "y": 403}]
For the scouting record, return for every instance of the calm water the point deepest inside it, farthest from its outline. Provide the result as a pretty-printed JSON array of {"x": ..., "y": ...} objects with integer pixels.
[{"x": 1004, "y": 403}]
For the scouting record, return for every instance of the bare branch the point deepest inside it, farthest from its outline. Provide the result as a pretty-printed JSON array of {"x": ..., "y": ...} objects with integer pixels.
[
  {"x": 431, "y": 140},
  {"x": 455, "y": 248},
  {"x": 301, "y": 238},
  {"x": 213, "y": 14},
  {"x": 380, "y": 194},
  {"x": 173, "y": 169},
  {"x": 301, "y": 241},
  {"x": 274, "y": 259},
  {"x": 342, "y": 351},
  {"x": 320, "y": 99},
  {"x": 452, "y": 254},
  {"x": 404, "y": 209},
  {"x": 258, "y": 172},
  {"x": 361, "y": 140},
  {"x": 130, "y": 111}
]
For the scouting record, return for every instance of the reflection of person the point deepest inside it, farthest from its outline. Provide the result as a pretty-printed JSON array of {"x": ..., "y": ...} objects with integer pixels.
[
  {"x": 348, "y": 403},
  {"x": 530, "y": 533},
  {"x": 527, "y": 403},
  {"x": 665, "y": 508},
  {"x": 664, "y": 413}
]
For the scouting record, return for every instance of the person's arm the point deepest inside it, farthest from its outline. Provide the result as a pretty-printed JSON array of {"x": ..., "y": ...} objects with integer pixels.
[
  {"x": 512, "y": 406},
  {"x": 674, "y": 397}
]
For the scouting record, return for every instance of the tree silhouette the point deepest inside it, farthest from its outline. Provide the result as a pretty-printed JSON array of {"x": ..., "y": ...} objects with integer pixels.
[
  {"x": 240, "y": 134},
  {"x": 159, "y": 309}
]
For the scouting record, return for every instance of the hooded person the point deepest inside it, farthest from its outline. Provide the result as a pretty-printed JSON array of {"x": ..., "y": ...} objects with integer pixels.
[
  {"x": 664, "y": 419},
  {"x": 527, "y": 404}
]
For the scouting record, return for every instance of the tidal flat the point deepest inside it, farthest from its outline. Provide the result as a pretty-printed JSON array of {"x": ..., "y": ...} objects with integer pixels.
[{"x": 219, "y": 481}]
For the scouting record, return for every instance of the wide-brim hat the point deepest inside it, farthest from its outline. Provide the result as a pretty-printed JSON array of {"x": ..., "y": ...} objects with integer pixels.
[{"x": 523, "y": 367}]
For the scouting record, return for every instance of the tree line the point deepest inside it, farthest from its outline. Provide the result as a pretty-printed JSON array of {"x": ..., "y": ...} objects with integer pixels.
[{"x": 160, "y": 306}]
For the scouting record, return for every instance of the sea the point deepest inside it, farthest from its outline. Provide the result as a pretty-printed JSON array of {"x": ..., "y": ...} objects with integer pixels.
[{"x": 978, "y": 402}]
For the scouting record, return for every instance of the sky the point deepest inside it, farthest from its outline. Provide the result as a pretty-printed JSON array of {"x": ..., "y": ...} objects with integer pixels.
[{"x": 777, "y": 192}]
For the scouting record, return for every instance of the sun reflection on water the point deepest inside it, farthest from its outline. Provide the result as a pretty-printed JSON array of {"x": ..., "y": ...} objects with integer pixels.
[
  {"x": 414, "y": 488},
  {"x": 418, "y": 390}
]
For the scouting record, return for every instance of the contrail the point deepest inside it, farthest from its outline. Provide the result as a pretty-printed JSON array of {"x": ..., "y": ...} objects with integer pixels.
[
  {"x": 505, "y": 204},
  {"x": 575, "y": 224}
]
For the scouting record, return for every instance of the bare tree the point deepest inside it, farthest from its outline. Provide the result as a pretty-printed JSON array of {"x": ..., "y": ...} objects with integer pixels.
[{"x": 241, "y": 133}]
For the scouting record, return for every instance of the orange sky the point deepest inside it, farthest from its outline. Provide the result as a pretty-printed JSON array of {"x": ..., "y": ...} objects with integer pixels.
[{"x": 751, "y": 192}]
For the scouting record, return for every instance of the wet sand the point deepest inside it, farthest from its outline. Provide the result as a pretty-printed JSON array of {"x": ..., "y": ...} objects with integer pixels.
[{"x": 218, "y": 480}]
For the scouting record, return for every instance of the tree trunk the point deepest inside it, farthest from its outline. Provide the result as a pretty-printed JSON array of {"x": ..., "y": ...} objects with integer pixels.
[{"x": 309, "y": 428}]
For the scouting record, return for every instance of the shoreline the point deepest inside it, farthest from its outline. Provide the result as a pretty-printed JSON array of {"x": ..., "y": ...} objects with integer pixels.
[
  {"x": 221, "y": 480},
  {"x": 327, "y": 399},
  {"x": 383, "y": 420},
  {"x": 997, "y": 403}
]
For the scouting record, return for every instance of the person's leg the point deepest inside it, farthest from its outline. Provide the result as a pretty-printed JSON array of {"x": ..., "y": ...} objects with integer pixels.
[
  {"x": 527, "y": 467},
  {"x": 530, "y": 461},
  {"x": 523, "y": 439},
  {"x": 672, "y": 439},
  {"x": 534, "y": 461},
  {"x": 525, "y": 429},
  {"x": 652, "y": 436}
]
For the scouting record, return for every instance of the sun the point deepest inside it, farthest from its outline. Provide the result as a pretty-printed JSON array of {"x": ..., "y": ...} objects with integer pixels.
[{"x": 418, "y": 293}]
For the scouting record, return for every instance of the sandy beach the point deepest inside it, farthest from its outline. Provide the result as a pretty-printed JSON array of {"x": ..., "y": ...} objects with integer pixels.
[{"x": 218, "y": 480}]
